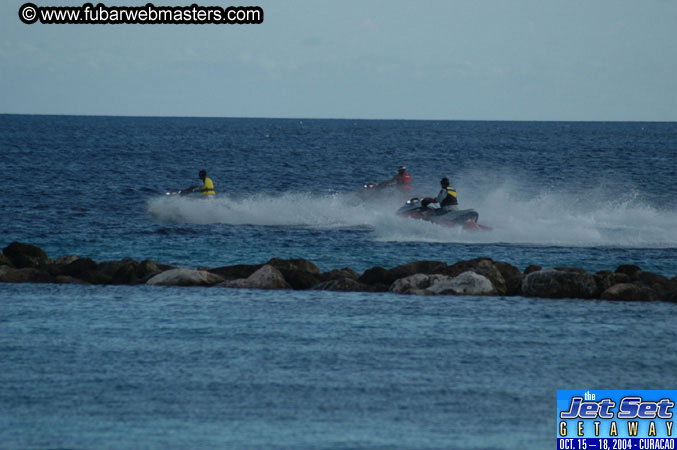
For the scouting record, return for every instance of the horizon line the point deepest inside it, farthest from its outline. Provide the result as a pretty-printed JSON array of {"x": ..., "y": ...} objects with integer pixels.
[{"x": 333, "y": 118}]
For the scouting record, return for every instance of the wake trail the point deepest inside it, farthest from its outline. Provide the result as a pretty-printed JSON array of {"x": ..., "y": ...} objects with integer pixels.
[{"x": 548, "y": 219}]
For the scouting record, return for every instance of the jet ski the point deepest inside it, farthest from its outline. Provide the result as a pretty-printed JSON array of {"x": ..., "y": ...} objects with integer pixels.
[
  {"x": 417, "y": 208},
  {"x": 194, "y": 193},
  {"x": 380, "y": 192},
  {"x": 373, "y": 191}
]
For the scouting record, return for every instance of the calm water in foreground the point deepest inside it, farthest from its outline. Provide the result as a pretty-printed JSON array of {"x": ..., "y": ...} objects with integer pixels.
[{"x": 116, "y": 367}]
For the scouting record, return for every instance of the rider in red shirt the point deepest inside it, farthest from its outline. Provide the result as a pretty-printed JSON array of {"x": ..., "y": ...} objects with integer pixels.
[{"x": 402, "y": 179}]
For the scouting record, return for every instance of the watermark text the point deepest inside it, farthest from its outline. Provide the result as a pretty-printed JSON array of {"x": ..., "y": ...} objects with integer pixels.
[{"x": 100, "y": 14}]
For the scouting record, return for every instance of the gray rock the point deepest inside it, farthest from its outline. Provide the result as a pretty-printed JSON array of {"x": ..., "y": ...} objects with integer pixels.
[
  {"x": 629, "y": 291},
  {"x": 375, "y": 275},
  {"x": 86, "y": 270},
  {"x": 147, "y": 267},
  {"x": 25, "y": 255},
  {"x": 467, "y": 283},
  {"x": 606, "y": 278},
  {"x": 658, "y": 283},
  {"x": 298, "y": 273},
  {"x": 416, "y": 282},
  {"x": 412, "y": 268},
  {"x": 301, "y": 280},
  {"x": 512, "y": 276},
  {"x": 334, "y": 274},
  {"x": 628, "y": 269},
  {"x": 532, "y": 268},
  {"x": 4, "y": 260},
  {"x": 65, "y": 260},
  {"x": 344, "y": 285},
  {"x": 184, "y": 277},
  {"x": 129, "y": 271},
  {"x": 110, "y": 267},
  {"x": 237, "y": 271},
  {"x": 267, "y": 277},
  {"x": 571, "y": 269},
  {"x": 480, "y": 266},
  {"x": 383, "y": 278},
  {"x": 552, "y": 283},
  {"x": 24, "y": 275},
  {"x": 298, "y": 264}
]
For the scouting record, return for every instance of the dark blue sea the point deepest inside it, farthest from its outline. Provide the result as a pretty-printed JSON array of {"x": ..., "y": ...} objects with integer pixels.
[{"x": 157, "y": 367}]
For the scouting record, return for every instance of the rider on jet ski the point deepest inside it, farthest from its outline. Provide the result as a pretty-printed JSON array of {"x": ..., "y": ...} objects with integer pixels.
[
  {"x": 207, "y": 188},
  {"x": 447, "y": 198},
  {"x": 446, "y": 214},
  {"x": 402, "y": 179}
]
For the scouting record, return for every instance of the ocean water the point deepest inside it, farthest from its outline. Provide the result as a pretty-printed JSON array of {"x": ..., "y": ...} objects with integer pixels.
[{"x": 129, "y": 367}]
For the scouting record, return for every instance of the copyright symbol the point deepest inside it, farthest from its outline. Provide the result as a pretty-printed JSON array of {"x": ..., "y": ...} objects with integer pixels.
[{"x": 28, "y": 13}]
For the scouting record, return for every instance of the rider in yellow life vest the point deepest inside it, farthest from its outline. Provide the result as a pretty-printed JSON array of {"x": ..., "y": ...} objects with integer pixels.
[
  {"x": 447, "y": 198},
  {"x": 207, "y": 187}
]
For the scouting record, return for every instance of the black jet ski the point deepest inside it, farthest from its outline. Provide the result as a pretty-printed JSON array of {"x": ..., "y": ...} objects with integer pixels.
[
  {"x": 380, "y": 191},
  {"x": 179, "y": 192},
  {"x": 193, "y": 193},
  {"x": 417, "y": 208},
  {"x": 373, "y": 191}
]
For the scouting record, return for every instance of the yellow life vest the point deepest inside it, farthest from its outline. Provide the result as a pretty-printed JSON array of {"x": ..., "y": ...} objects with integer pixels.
[
  {"x": 208, "y": 187},
  {"x": 451, "y": 199}
]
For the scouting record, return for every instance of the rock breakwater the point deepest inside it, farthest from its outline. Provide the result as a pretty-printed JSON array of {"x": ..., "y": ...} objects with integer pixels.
[{"x": 26, "y": 263}]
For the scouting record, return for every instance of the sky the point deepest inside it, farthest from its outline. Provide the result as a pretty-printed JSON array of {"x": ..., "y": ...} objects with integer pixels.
[{"x": 613, "y": 60}]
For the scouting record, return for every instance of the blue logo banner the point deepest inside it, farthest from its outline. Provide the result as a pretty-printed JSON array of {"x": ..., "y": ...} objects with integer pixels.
[{"x": 615, "y": 419}]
